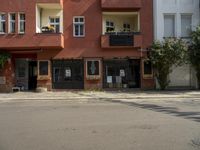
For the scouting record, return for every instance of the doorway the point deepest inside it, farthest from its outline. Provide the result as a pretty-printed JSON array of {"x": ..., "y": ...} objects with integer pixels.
[
  {"x": 26, "y": 73},
  {"x": 32, "y": 79}
]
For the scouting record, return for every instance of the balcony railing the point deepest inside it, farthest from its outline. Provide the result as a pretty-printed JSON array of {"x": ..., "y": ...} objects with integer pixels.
[
  {"x": 121, "y": 4},
  {"x": 36, "y": 41},
  {"x": 121, "y": 39}
]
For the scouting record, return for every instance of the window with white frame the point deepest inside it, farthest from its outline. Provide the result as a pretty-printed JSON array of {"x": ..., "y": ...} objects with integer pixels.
[
  {"x": 22, "y": 22},
  {"x": 12, "y": 22},
  {"x": 55, "y": 23},
  {"x": 169, "y": 26},
  {"x": 93, "y": 69},
  {"x": 110, "y": 26},
  {"x": 127, "y": 27},
  {"x": 79, "y": 26},
  {"x": 2, "y": 23},
  {"x": 186, "y": 25}
]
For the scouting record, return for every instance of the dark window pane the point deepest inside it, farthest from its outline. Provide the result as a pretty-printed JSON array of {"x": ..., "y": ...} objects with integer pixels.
[
  {"x": 43, "y": 68},
  {"x": 57, "y": 74},
  {"x": 57, "y": 20},
  {"x": 93, "y": 67},
  {"x": 81, "y": 19},
  {"x": 76, "y": 19},
  {"x": 76, "y": 29},
  {"x": 147, "y": 67},
  {"x": 81, "y": 29}
]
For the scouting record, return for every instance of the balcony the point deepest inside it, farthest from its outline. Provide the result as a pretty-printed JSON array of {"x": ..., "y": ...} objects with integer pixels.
[
  {"x": 49, "y": 18},
  {"x": 121, "y": 40},
  {"x": 121, "y": 29},
  {"x": 37, "y": 41},
  {"x": 121, "y": 4}
]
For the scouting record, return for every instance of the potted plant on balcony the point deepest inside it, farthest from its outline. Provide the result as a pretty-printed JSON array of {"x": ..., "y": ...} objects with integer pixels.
[{"x": 48, "y": 29}]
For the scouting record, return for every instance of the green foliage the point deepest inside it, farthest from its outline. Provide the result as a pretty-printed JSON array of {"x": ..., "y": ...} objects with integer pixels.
[
  {"x": 164, "y": 55},
  {"x": 195, "y": 52},
  {"x": 3, "y": 58}
]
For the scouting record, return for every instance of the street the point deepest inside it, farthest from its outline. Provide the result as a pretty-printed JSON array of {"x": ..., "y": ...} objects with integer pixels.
[{"x": 99, "y": 123}]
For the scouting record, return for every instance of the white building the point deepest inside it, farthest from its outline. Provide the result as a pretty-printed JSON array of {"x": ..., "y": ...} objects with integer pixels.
[{"x": 176, "y": 18}]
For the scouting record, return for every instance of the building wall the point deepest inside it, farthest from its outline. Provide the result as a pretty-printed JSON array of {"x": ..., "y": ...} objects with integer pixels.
[
  {"x": 84, "y": 47},
  {"x": 181, "y": 76}
]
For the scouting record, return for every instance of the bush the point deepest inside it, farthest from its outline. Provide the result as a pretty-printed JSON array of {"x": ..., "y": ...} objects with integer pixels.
[
  {"x": 165, "y": 54},
  {"x": 195, "y": 53}
]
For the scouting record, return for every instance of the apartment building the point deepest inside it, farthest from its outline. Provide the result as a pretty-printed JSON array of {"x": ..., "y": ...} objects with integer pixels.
[
  {"x": 177, "y": 18},
  {"x": 76, "y": 44}
]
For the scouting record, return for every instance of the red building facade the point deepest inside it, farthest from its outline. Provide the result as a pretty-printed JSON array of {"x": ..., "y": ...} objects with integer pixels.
[{"x": 76, "y": 44}]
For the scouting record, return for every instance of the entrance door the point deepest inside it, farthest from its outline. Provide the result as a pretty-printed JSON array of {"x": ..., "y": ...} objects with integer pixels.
[
  {"x": 68, "y": 74},
  {"x": 26, "y": 74},
  {"x": 32, "y": 80},
  {"x": 22, "y": 73}
]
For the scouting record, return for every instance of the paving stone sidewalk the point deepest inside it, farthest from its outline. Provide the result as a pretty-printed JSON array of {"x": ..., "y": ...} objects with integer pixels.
[{"x": 100, "y": 95}]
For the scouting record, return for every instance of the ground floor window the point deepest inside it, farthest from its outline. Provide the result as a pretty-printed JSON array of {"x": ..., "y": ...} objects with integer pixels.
[
  {"x": 122, "y": 73},
  {"x": 43, "y": 67},
  {"x": 68, "y": 74},
  {"x": 147, "y": 69},
  {"x": 93, "y": 69}
]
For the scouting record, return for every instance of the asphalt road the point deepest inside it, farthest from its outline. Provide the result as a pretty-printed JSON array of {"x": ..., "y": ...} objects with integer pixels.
[{"x": 97, "y": 125}]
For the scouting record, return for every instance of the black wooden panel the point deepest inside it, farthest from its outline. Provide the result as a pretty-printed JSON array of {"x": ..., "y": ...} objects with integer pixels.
[
  {"x": 121, "y": 40},
  {"x": 68, "y": 74}
]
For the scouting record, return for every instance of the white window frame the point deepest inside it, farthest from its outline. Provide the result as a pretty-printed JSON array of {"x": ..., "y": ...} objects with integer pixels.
[
  {"x": 79, "y": 23},
  {"x": 146, "y": 76},
  {"x": 47, "y": 76},
  {"x": 186, "y": 14},
  {"x": 93, "y": 77},
  {"x": 174, "y": 25},
  {"x": 9, "y": 23},
  {"x": 110, "y": 26},
  {"x": 19, "y": 21},
  {"x": 1, "y": 21},
  {"x": 55, "y": 23}
]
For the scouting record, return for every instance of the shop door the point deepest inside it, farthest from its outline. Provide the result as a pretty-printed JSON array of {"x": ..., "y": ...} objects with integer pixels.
[{"x": 68, "y": 74}]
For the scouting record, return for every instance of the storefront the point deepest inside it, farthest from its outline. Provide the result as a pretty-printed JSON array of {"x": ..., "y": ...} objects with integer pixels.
[
  {"x": 122, "y": 73},
  {"x": 68, "y": 74}
]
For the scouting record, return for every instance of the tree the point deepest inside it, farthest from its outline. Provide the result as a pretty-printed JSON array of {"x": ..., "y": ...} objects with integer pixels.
[
  {"x": 195, "y": 53},
  {"x": 164, "y": 55},
  {"x": 4, "y": 56}
]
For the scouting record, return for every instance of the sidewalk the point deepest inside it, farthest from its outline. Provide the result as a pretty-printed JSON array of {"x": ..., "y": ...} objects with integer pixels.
[{"x": 92, "y": 95}]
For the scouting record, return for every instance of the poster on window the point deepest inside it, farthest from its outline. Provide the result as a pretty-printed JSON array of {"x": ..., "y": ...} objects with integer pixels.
[
  {"x": 68, "y": 73},
  {"x": 109, "y": 79},
  {"x": 122, "y": 73},
  {"x": 93, "y": 68}
]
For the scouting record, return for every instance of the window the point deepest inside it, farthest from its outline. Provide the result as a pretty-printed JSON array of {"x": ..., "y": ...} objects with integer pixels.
[
  {"x": 127, "y": 27},
  {"x": 55, "y": 23},
  {"x": 93, "y": 69},
  {"x": 43, "y": 68},
  {"x": 2, "y": 23},
  {"x": 12, "y": 19},
  {"x": 169, "y": 26},
  {"x": 147, "y": 69},
  {"x": 110, "y": 26},
  {"x": 79, "y": 26},
  {"x": 57, "y": 74},
  {"x": 186, "y": 22},
  {"x": 21, "y": 22}
]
